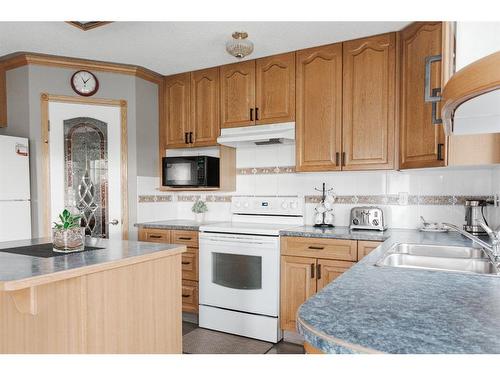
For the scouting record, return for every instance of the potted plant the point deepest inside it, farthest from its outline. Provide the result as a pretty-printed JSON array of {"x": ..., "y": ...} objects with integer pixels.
[
  {"x": 199, "y": 208},
  {"x": 68, "y": 235}
]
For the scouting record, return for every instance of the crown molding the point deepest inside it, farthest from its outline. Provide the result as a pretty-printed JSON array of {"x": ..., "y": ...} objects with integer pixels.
[{"x": 19, "y": 59}]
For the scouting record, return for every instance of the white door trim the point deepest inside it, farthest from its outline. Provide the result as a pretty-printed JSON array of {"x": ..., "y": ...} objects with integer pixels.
[{"x": 45, "y": 99}]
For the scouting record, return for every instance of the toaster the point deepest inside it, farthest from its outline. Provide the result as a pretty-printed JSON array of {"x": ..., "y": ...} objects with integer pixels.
[{"x": 367, "y": 218}]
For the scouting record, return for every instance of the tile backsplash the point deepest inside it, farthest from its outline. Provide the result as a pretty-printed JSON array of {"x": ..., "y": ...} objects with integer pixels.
[{"x": 437, "y": 193}]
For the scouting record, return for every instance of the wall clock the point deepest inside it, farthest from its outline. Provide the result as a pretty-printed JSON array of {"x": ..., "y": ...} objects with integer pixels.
[{"x": 84, "y": 83}]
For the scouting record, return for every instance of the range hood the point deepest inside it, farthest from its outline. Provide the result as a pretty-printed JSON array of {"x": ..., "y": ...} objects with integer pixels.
[{"x": 258, "y": 135}]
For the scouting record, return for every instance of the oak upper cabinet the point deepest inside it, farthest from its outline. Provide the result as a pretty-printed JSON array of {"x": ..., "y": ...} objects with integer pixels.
[
  {"x": 422, "y": 143},
  {"x": 298, "y": 283},
  {"x": 369, "y": 103},
  {"x": 275, "y": 89},
  {"x": 177, "y": 110},
  {"x": 237, "y": 84},
  {"x": 319, "y": 108},
  {"x": 205, "y": 116}
]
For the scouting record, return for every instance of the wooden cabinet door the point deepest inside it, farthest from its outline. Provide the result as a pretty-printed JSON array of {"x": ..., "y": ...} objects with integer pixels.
[
  {"x": 189, "y": 296},
  {"x": 329, "y": 270},
  {"x": 237, "y": 87},
  {"x": 319, "y": 108},
  {"x": 369, "y": 103},
  {"x": 275, "y": 89},
  {"x": 422, "y": 144},
  {"x": 298, "y": 283},
  {"x": 205, "y": 116},
  {"x": 177, "y": 111},
  {"x": 365, "y": 247}
]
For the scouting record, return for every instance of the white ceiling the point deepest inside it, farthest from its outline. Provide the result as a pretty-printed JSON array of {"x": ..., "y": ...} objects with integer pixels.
[{"x": 174, "y": 47}]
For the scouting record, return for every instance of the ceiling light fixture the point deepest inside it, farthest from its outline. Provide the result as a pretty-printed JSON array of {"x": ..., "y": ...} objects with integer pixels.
[{"x": 239, "y": 46}]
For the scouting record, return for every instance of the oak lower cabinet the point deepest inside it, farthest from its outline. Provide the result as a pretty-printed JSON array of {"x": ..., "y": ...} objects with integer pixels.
[
  {"x": 366, "y": 247},
  {"x": 318, "y": 127},
  {"x": 304, "y": 272},
  {"x": 190, "y": 260},
  {"x": 369, "y": 103},
  {"x": 422, "y": 141}
]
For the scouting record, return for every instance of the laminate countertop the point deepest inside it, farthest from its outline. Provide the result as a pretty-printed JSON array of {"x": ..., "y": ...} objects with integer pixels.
[
  {"x": 174, "y": 224},
  {"x": 22, "y": 271},
  {"x": 343, "y": 233},
  {"x": 371, "y": 309}
]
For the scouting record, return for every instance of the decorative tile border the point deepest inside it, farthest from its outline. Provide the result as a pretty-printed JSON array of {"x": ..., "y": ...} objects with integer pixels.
[
  {"x": 266, "y": 170},
  {"x": 154, "y": 198},
  {"x": 183, "y": 198},
  {"x": 413, "y": 200},
  {"x": 386, "y": 200}
]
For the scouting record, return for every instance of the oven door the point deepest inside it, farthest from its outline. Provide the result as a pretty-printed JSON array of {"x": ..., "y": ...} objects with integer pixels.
[
  {"x": 240, "y": 272},
  {"x": 180, "y": 171}
]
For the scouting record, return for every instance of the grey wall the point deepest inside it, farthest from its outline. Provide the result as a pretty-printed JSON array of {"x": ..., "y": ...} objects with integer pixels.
[
  {"x": 147, "y": 128},
  {"x": 26, "y": 84}
]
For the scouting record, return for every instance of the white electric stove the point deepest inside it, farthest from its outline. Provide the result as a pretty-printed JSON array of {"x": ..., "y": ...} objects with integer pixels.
[{"x": 240, "y": 266}]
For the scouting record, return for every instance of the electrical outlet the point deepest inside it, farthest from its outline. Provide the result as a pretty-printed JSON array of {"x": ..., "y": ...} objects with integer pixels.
[{"x": 403, "y": 198}]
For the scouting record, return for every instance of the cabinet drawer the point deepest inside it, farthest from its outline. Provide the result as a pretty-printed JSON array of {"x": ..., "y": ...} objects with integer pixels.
[
  {"x": 319, "y": 248},
  {"x": 189, "y": 296},
  {"x": 190, "y": 264},
  {"x": 154, "y": 235},
  {"x": 185, "y": 237}
]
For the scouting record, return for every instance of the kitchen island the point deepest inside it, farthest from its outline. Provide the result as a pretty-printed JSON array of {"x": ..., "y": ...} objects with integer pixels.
[
  {"x": 371, "y": 309},
  {"x": 124, "y": 297}
]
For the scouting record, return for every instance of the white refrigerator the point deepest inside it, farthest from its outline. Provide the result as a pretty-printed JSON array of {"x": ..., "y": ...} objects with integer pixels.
[{"x": 15, "y": 200}]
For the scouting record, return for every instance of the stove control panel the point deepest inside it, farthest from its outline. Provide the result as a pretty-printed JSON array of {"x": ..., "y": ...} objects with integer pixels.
[{"x": 284, "y": 206}]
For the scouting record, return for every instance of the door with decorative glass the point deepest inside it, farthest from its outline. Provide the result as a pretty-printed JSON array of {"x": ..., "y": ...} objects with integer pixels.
[{"x": 85, "y": 165}]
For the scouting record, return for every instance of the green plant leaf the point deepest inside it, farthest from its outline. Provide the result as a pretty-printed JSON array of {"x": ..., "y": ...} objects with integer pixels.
[{"x": 66, "y": 214}]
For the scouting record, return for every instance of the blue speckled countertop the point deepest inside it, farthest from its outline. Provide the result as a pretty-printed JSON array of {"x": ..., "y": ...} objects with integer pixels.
[
  {"x": 16, "y": 268},
  {"x": 174, "y": 224},
  {"x": 393, "y": 310},
  {"x": 336, "y": 232}
]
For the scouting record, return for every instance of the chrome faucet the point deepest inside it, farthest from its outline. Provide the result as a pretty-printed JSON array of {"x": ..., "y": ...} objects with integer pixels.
[{"x": 493, "y": 250}]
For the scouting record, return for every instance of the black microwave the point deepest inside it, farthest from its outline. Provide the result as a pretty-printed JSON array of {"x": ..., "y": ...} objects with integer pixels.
[{"x": 191, "y": 171}]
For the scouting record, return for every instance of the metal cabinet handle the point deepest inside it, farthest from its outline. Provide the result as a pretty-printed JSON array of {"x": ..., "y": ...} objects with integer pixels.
[
  {"x": 251, "y": 114},
  {"x": 337, "y": 158},
  {"x": 429, "y": 95},
  {"x": 319, "y": 271},
  {"x": 316, "y": 247},
  {"x": 256, "y": 113},
  {"x": 343, "y": 159},
  {"x": 190, "y": 137},
  {"x": 312, "y": 270},
  {"x": 185, "y": 263},
  {"x": 440, "y": 151},
  {"x": 186, "y": 295},
  {"x": 435, "y": 119},
  {"x": 154, "y": 236},
  {"x": 114, "y": 222},
  {"x": 186, "y": 137},
  {"x": 185, "y": 238}
]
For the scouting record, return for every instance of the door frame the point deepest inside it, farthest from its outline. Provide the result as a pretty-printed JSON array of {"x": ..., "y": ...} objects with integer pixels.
[{"x": 45, "y": 98}]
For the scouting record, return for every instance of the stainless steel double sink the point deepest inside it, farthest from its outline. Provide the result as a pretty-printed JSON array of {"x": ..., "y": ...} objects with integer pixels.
[{"x": 439, "y": 258}]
